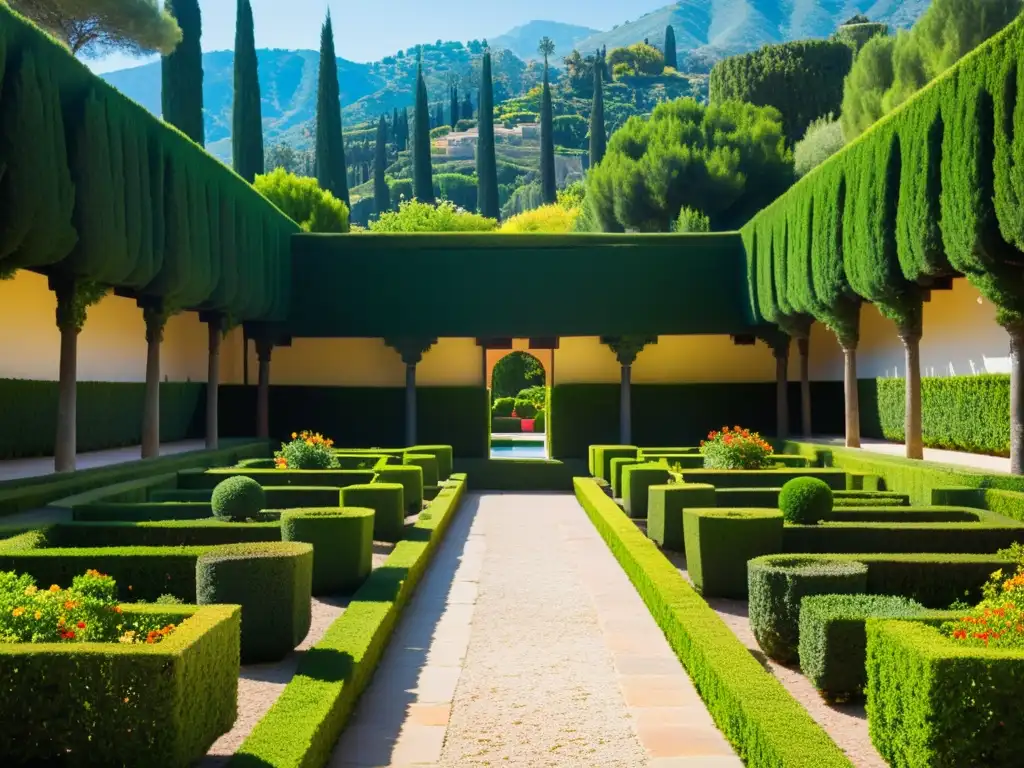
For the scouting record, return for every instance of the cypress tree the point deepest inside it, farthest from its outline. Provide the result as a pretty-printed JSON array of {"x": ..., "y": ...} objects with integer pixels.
[
  {"x": 439, "y": 117},
  {"x": 486, "y": 164},
  {"x": 547, "y": 144},
  {"x": 466, "y": 113},
  {"x": 423, "y": 177},
  {"x": 330, "y": 144},
  {"x": 598, "y": 139},
  {"x": 455, "y": 106},
  {"x": 381, "y": 194},
  {"x": 671, "y": 56},
  {"x": 182, "y": 73},
  {"x": 247, "y": 117},
  {"x": 395, "y": 127}
]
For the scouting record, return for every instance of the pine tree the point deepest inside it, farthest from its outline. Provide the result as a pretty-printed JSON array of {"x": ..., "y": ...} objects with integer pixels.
[
  {"x": 486, "y": 163},
  {"x": 671, "y": 56},
  {"x": 182, "y": 73},
  {"x": 247, "y": 118},
  {"x": 455, "y": 106},
  {"x": 548, "y": 188},
  {"x": 466, "y": 113},
  {"x": 598, "y": 138},
  {"x": 423, "y": 176},
  {"x": 330, "y": 143},
  {"x": 381, "y": 193}
]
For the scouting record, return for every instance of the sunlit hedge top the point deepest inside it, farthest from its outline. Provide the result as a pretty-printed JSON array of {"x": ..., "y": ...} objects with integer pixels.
[
  {"x": 96, "y": 188},
  {"x": 934, "y": 189}
]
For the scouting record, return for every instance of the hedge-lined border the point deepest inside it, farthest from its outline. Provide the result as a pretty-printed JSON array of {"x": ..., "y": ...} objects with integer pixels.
[
  {"x": 760, "y": 719},
  {"x": 304, "y": 724}
]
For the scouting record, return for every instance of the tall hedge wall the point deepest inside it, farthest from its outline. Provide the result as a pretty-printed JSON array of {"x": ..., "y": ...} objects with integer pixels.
[
  {"x": 366, "y": 417},
  {"x": 95, "y": 189},
  {"x": 802, "y": 79},
  {"x": 109, "y": 415}
]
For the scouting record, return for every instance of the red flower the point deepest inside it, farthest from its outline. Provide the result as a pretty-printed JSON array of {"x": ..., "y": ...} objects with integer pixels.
[
  {"x": 960, "y": 634},
  {"x": 81, "y": 625}
]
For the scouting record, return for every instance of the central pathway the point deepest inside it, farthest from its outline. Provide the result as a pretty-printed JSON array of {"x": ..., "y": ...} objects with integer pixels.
[{"x": 526, "y": 645}]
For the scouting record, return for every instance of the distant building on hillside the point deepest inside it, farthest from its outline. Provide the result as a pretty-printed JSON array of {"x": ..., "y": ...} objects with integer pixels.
[{"x": 462, "y": 145}]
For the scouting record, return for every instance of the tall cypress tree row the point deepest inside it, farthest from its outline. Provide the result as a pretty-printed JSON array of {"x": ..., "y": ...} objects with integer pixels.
[
  {"x": 403, "y": 130},
  {"x": 331, "y": 172},
  {"x": 423, "y": 176},
  {"x": 247, "y": 115},
  {"x": 486, "y": 164},
  {"x": 439, "y": 117},
  {"x": 671, "y": 56},
  {"x": 548, "y": 188},
  {"x": 598, "y": 138},
  {"x": 381, "y": 193},
  {"x": 455, "y": 106},
  {"x": 466, "y": 113},
  {"x": 395, "y": 128},
  {"x": 182, "y": 73}
]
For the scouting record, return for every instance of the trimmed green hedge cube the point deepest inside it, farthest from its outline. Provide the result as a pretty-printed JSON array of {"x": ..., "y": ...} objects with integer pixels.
[
  {"x": 443, "y": 454},
  {"x": 137, "y": 513},
  {"x": 199, "y": 494},
  {"x": 719, "y": 542},
  {"x": 932, "y": 702},
  {"x": 833, "y": 640},
  {"x": 163, "y": 704},
  {"x": 636, "y": 480},
  {"x": 411, "y": 479},
  {"x": 301, "y": 497},
  {"x": 618, "y": 463},
  {"x": 665, "y": 507},
  {"x": 387, "y": 500},
  {"x": 427, "y": 463},
  {"x": 342, "y": 539},
  {"x": 603, "y": 455},
  {"x": 763, "y": 478},
  {"x": 273, "y": 584},
  {"x": 776, "y": 585}
]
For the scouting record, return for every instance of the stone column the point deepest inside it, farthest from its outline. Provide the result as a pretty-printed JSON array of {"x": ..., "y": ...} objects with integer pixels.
[
  {"x": 626, "y": 349},
  {"x": 215, "y": 326},
  {"x": 156, "y": 320},
  {"x": 264, "y": 348},
  {"x": 780, "y": 350},
  {"x": 910, "y": 335},
  {"x": 803, "y": 345},
  {"x": 412, "y": 350}
]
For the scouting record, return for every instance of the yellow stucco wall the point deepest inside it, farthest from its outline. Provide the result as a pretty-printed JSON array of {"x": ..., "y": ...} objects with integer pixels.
[{"x": 111, "y": 347}]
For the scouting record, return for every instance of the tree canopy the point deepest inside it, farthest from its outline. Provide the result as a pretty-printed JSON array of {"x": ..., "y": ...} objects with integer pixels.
[
  {"x": 303, "y": 201},
  {"x": 95, "y": 27},
  {"x": 688, "y": 155},
  {"x": 641, "y": 58},
  {"x": 416, "y": 216}
]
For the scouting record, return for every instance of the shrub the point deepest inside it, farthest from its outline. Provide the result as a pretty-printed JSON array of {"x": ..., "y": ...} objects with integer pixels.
[
  {"x": 805, "y": 500},
  {"x": 735, "y": 448},
  {"x": 665, "y": 511},
  {"x": 303, "y": 201},
  {"x": 307, "y": 450},
  {"x": 387, "y": 500},
  {"x": 824, "y": 137},
  {"x": 237, "y": 498},
  {"x": 500, "y": 424},
  {"x": 272, "y": 583},
  {"x": 833, "y": 639},
  {"x": 503, "y": 406},
  {"x": 525, "y": 409},
  {"x": 411, "y": 479},
  {"x": 618, "y": 464},
  {"x": 342, "y": 540},
  {"x": 776, "y": 586},
  {"x": 425, "y": 462},
  {"x": 603, "y": 455},
  {"x": 636, "y": 480},
  {"x": 414, "y": 216},
  {"x": 998, "y": 621},
  {"x": 539, "y": 422},
  {"x": 443, "y": 454},
  {"x": 691, "y": 220},
  {"x": 720, "y": 542},
  {"x": 537, "y": 395},
  {"x": 551, "y": 218}
]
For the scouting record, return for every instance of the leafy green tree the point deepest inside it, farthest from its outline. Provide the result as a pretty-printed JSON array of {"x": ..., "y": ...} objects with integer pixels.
[
  {"x": 303, "y": 201},
  {"x": 381, "y": 191},
  {"x": 515, "y": 372},
  {"x": 182, "y": 73},
  {"x": 671, "y": 53},
  {"x": 417, "y": 216},
  {"x": 803, "y": 80},
  {"x": 726, "y": 161},
  {"x": 247, "y": 114},
  {"x": 641, "y": 58},
  {"x": 824, "y": 137},
  {"x": 692, "y": 221},
  {"x": 548, "y": 185},
  {"x": 422, "y": 175},
  {"x": 95, "y": 27},
  {"x": 598, "y": 138},
  {"x": 331, "y": 169},
  {"x": 865, "y": 87},
  {"x": 486, "y": 162}
]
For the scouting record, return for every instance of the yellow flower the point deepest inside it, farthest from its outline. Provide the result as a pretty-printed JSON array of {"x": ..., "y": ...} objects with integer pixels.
[
  {"x": 38, "y": 615},
  {"x": 31, "y": 590},
  {"x": 54, "y": 588},
  {"x": 17, "y": 611},
  {"x": 294, "y": 436}
]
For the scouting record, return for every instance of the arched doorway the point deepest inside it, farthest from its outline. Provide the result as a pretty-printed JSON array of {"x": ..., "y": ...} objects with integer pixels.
[{"x": 518, "y": 379}]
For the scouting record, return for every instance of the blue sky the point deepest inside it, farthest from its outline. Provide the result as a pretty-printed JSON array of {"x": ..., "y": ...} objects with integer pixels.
[{"x": 366, "y": 30}]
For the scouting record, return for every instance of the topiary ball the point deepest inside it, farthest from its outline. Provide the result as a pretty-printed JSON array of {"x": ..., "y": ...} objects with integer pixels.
[
  {"x": 238, "y": 498},
  {"x": 805, "y": 500}
]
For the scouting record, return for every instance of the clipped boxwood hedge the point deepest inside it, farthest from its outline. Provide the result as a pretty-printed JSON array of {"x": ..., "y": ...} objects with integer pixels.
[
  {"x": 833, "y": 641},
  {"x": 506, "y": 424},
  {"x": 141, "y": 512},
  {"x": 443, "y": 454},
  {"x": 161, "y": 533},
  {"x": 427, "y": 462},
  {"x": 272, "y": 583},
  {"x": 615, "y": 473},
  {"x": 719, "y": 542},
  {"x": 636, "y": 480},
  {"x": 387, "y": 500},
  {"x": 178, "y": 494},
  {"x": 161, "y": 704},
  {"x": 762, "y": 478},
  {"x": 776, "y": 585},
  {"x": 410, "y": 477},
  {"x": 335, "y": 478},
  {"x": 603, "y": 455},
  {"x": 931, "y": 702},
  {"x": 665, "y": 511},
  {"x": 342, "y": 540},
  {"x": 765, "y": 725}
]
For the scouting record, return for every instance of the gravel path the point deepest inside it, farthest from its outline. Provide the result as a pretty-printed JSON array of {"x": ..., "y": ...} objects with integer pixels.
[
  {"x": 259, "y": 685},
  {"x": 538, "y": 687}
]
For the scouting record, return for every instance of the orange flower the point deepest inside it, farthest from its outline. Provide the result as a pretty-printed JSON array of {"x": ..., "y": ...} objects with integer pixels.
[
  {"x": 70, "y": 605},
  {"x": 960, "y": 634},
  {"x": 54, "y": 588},
  {"x": 18, "y": 611}
]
